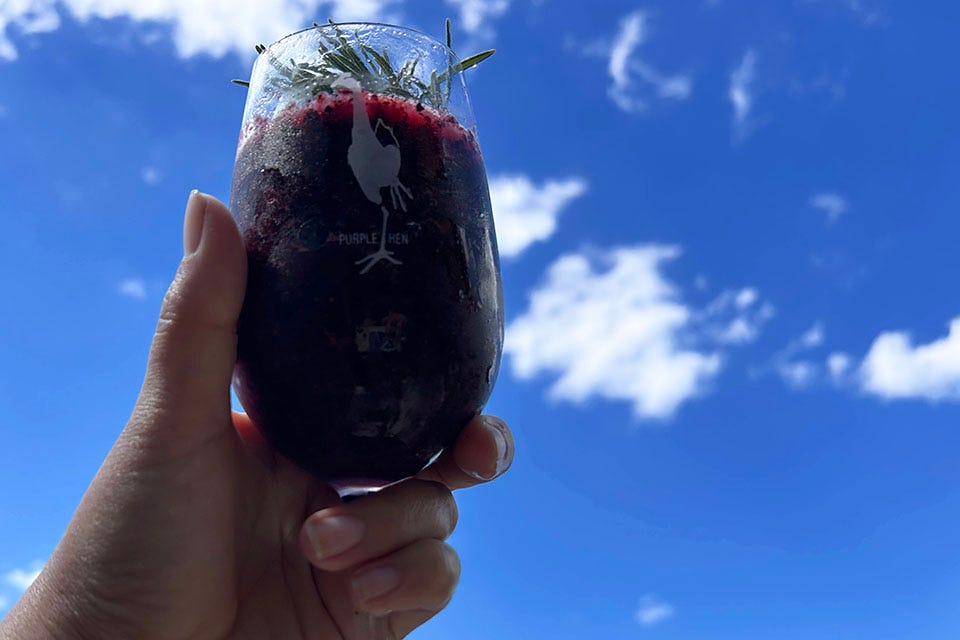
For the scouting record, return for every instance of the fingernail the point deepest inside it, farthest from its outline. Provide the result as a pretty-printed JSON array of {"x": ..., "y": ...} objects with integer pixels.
[
  {"x": 496, "y": 428},
  {"x": 193, "y": 222},
  {"x": 332, "y": 535},
  {"x": 374, "y": 583}
]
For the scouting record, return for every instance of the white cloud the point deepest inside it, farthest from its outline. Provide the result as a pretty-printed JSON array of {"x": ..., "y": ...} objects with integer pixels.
[
  {"x": 151, "y": 175},
  {"x": 214, "y": 27},
  {"x": 738, "y": 331},
  {"x": 799, "y": 373},
  {"x": 26, "y": 17},
  {"x": 832, "y": 204},
  {"x": 734, "y": 317},
  {"x": 812, "y": 337},
  {"x": 477, "y": 15},
  {"x": 3, "y": 603},
  {"x": 652, "y": 611},
  {"x": 612, "y": 326},
  {"x": 838, "y": 364},
  {"x": 895, "y": 368},
  {"x": 746, "y": 297},
  {"x": 525, "y": 213},
  {"x": 134, "y": 288},
  {"x": 21, "y": 578},
  {"x": 633, "y": 80},
  {"x": 740, "y": 93}
]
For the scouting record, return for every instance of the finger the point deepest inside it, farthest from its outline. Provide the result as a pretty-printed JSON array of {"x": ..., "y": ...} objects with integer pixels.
[
  {"x": 186, "y": 390},
  {"x": 483, "y": 451},
  {"x": 419, "y": 577},
  {"x": 349, "y": 534}
]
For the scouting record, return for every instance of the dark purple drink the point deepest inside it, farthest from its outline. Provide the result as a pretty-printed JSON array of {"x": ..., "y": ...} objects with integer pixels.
[{"x": 372, "y": 326}]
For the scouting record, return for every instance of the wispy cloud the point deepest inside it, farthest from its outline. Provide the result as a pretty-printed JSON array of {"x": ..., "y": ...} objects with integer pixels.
[
  {"x": 215, "y": 28},
  {"x": 801, "y": 367},
  {"x": 831, "y": 204},
  {"x": 635, "y": 82},
  {"x": 476, "y": 17},
  {"x": 134, "y": 288},
  {"x": 838, "y": 365},
  {"x": 812, "y": 337},
  {"x": 652, "y": 611},
  {"x": 870, "y": 14},
  {"x": 151, "y": 175},
  {"x": 830, "y": 84},
  {"x": 525, "y": 213},
  {"x": 4, "y": 603},
  {"x": 25, "y": 17},
  {"x": 736, "y": 316},
  {"x": 798, "y": 375},
  {"x": 22, "y": 578},
  {"x": 741, "y": 94},
  {"x": 896, "y": 368},
  {"x": 610, "y": 325},
  {"x": 792, "y": 364}
]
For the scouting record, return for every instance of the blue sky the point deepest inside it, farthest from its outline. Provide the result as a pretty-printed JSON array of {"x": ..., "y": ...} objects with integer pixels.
[{"x": 728, "y": 234}]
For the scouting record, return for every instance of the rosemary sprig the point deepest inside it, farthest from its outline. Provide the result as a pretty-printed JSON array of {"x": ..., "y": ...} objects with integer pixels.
[{"x": 373, "y": 69}]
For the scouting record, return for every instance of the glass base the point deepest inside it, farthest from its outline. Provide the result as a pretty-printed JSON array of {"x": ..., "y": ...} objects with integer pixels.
[{"x": 352, "y": 490}]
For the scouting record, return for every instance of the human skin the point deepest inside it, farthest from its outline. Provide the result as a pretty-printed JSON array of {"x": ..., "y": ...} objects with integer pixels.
[{"x": 193, "y": 529}]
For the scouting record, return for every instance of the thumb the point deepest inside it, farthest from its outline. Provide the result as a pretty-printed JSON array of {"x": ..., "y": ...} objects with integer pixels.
[{"x": 186, "y": 392}]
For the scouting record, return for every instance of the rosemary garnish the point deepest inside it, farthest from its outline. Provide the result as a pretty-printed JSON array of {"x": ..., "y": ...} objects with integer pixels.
[{"x": 374, "y": 70}]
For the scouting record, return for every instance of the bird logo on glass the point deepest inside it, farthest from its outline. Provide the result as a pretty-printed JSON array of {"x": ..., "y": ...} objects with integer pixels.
[{"x": 375, "y": 165}]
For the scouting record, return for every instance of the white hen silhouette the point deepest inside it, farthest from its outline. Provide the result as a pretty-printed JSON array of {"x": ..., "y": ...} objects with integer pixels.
[{"x": 375, "y": 165}]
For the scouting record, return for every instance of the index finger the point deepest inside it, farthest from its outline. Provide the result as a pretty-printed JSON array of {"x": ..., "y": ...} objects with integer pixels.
[{"x": 483, "y": 452}]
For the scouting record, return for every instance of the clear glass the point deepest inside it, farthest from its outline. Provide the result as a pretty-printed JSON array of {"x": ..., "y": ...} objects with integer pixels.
[{"x": 372, "y": 327}]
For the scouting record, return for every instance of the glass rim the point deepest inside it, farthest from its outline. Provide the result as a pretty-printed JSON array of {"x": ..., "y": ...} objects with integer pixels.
[{"x": 360, "y": 23}]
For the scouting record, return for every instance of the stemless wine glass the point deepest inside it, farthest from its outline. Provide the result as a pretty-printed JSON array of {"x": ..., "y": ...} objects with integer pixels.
[{"x": 372, "y": 327}]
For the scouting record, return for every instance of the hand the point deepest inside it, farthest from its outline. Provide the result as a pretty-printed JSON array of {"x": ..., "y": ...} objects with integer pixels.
[{"x": 193, "y": 529}]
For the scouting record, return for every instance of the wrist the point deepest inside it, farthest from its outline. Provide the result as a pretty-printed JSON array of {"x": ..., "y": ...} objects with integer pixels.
[
  {"x": 30, "y": 619},
  {"x": 47, "y": 611}
]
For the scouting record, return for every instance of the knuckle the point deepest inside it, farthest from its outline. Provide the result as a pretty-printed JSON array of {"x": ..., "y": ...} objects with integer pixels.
[
  {"x": 176, "y": 293},
  {"x": 186, "y": 308},
  {"x": 176, "y": 310},
  {"x": 446, "y": 508},
  {"x": 426, "y": 508}
]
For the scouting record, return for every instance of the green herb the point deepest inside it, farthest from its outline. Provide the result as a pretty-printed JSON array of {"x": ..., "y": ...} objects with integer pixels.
[{"x": 371, "y": 68}]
